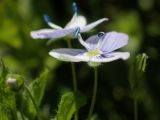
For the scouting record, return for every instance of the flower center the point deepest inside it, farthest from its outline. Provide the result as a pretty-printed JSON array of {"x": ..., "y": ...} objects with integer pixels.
[{"x": 93, "y": 53}]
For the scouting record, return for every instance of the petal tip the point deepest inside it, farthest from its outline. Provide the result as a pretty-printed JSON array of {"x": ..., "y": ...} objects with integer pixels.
[
  {"x": 105, "y": 19},
  {"x": 33, "y": 35},
  {"x": 126, "y": 56},
  {"x": 52, "y": 53}
]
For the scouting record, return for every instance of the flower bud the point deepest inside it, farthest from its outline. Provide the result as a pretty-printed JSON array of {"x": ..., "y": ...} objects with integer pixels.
[
  {"x": 142, "y": 62},
  {"x": 15, "y": 81}
]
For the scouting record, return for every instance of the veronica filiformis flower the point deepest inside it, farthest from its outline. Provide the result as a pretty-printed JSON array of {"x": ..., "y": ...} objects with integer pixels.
[
  {"x": 77, "y": 21},
  {"x": 100, "y": 48}
]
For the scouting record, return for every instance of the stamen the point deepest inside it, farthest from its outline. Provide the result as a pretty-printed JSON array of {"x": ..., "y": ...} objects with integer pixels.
[
  {"x": 74, "y": 8},
  {"x": 83, "y": 42},
  {"x": 46, "y": 18},
  {"x": 77, "y": 32},
  {"x": 100, "y": 34}
]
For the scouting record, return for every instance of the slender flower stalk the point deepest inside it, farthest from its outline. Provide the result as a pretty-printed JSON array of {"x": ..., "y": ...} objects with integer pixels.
[
  {"x": 135, "y": 75},
  {"x": 133, "y": 87},
  {"x": 73, "y": 77},
  {"x": 34, "y": 102},
  {"x": 135, "y": 109},
  {"x": 94, "y": 93}
]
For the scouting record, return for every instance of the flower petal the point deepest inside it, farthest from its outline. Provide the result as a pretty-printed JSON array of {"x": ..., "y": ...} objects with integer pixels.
[
  {"x": 72, "y": 20},
  {"x": 113, "y": 41},
  {"x": 54, "y": 26},
  {"x": 52, "y": 33},
  {"x": 92, "y": 25},
  {"x": 79, "y": 55},
  {"x": 77, "y": 21},
  {"x": 111, "y": 57},
  {"x": 95, "y": 41},
  {"x": 92, "y": 42},
  {"x": 70, "y": 55}
]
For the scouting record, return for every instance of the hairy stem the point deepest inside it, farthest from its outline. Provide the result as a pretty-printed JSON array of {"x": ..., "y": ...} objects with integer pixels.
[
  {"x": 22, "y": 116},
  {"x": 33, "y": 101}
]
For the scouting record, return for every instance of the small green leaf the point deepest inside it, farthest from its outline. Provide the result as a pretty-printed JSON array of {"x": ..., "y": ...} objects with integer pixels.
[{"x": 69, "y": 104}]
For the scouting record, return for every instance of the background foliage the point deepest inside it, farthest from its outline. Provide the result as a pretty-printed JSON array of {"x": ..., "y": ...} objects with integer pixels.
[{"x": 28, "y": 57}]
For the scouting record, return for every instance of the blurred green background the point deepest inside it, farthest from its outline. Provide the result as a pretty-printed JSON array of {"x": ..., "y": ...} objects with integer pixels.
[{"x": 140, "y": 19}]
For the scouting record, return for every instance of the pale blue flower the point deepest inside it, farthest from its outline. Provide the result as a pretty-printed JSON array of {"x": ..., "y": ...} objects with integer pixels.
[
  {"x": 100, "y": 48},
  {"x": 77, "y": 21}
]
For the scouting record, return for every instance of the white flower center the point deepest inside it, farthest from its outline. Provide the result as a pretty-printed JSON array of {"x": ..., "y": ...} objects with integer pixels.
[{"x": 79, "y": 21}]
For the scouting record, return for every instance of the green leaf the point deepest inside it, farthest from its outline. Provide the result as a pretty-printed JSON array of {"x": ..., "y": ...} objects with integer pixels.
[
  {"x": 7, "y": 97},
  {"x": 7, "y": 105},
  {"x": 69, "y": 104},
  {"x": 38, "y": 86},
  {"x": 37, "y": 89}
]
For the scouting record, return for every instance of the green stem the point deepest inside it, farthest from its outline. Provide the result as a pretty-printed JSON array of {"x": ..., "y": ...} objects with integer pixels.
[
  {"x": 73, "y": 78},
  {"x": 135, "y": 109},
  {"x": 94, "y": 93},
  {"x": 133, "y": 77},
  {"x": 22, "y": 116},
  {"x": 33, "y": 101},
  {"x": 74, "y": 85}
]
